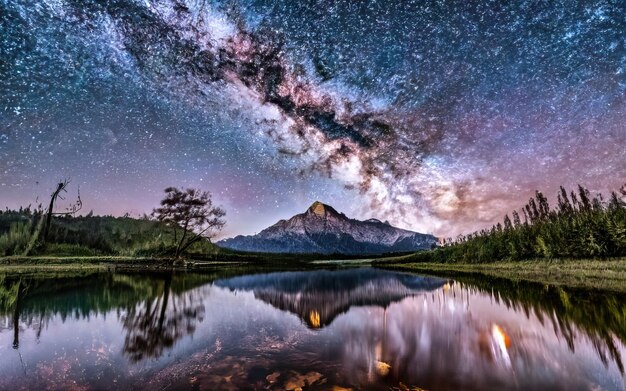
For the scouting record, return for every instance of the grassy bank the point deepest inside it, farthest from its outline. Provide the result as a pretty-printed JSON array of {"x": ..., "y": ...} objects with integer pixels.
[
  {"x": 225, "y": 260},
  {"x": 76, "y": 260},
  {"x": 585, "y": 273},
  {"x": 62, "y": 264},
  {"x": 589, "y": 274},
  {"x": 52, "y": 267}
]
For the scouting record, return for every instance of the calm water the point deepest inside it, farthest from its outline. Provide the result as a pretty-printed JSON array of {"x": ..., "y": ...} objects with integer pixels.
[{"x": 348, "y": 328}]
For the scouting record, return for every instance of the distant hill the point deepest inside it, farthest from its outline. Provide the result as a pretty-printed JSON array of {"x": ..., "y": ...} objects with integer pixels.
[{"x": 323, "y": 230}]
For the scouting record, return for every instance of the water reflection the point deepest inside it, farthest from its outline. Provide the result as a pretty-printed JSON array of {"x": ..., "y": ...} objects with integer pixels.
[
  {"x": 158, "y": 322},
  {"x": 319, "y": 297},
  {"x": 599, "y": 316},
  {"x": 153, "y": 312},
  {"x": 351, "y": 328}
]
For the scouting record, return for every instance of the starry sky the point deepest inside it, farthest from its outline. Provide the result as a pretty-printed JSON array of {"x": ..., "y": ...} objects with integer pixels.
[{"x": 439, "y": 116}]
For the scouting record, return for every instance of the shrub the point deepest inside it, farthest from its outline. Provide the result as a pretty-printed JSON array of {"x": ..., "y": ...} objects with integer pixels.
[{"x": 16, "y": 240}]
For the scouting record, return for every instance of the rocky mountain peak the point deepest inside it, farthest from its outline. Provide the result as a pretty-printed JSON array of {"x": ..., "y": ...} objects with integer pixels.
[
  {"x": 322, "y": 229},
  {"x": 320, "y": 209}
]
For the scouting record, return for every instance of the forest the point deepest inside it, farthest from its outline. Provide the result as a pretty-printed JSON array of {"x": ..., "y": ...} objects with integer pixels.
[
  {"x": 108, "y": 236},
  {"x": 185, "y": 221},
  {"x": 87, "y": 235},
  {"x": 579, "y": 226}
]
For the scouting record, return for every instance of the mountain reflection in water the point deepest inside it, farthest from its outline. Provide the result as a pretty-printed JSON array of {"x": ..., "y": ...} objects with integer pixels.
[
  {"x": 353, "y": 328},
  {"x": 318, "y": 298}
]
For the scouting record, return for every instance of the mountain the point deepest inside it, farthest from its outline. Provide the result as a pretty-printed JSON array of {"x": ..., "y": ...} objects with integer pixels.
[{"x": 321, "y": 229}]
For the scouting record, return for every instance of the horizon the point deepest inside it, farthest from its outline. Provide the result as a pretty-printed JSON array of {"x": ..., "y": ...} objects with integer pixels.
[
  {"x": 225, "y": 234},
  {"x": 329, "y": 194},
  {"x": 438, "y": 117}
]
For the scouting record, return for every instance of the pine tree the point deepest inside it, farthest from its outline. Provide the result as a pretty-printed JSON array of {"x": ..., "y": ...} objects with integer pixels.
[
  {"x": 544, "y": 207},
  {"x": 584, "y": 198},
  {"x": 565, "y": 207},
  {"x": 507, "y": 223},
  {"x": 516, "y": 220},
  {"x": 579, "y": 227}
]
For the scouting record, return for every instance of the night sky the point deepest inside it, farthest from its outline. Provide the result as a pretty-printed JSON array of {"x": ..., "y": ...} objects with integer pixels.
[{"x": 439, "y": 116}]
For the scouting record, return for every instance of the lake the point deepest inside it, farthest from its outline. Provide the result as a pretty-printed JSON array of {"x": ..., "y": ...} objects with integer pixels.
[{"x": 346, "y": 328}]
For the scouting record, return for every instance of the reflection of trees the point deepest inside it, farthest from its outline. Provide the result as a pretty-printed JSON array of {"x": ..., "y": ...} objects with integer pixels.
[
  {"x": 16, "y": 315},
  {"x": 11, "y": 297},
  {"x": 156, "y": 309},
  {"x": 158, "y": 322},
  {"x": 601, "y": 316}
]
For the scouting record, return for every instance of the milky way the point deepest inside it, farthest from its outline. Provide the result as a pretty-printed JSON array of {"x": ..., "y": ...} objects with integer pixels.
[{"x": 439, "y": 116}]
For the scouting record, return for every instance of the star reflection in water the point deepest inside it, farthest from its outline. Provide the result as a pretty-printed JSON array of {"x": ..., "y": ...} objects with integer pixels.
[{"x": 351, "y": 328}]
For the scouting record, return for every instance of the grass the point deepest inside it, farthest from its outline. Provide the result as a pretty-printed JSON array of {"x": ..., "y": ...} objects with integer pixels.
[
  {"x": 61, "y": 262},
  {"x": 589, "y": 274},
  {"x": 580, "y": 273},
  {"x": 52, "y": 264},
  {"x": 74, "y": 260}
]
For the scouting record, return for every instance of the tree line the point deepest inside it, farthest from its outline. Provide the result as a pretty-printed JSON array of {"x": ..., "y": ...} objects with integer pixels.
[
  {"x": 185, "y": 221},
  {"x": 579, "y": 226}
]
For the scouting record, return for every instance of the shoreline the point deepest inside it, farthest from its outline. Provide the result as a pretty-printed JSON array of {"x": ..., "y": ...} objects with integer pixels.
[
  {"x": 147, "y": 264},
  {"x": 585, "y": 274},
  {"x": 103, "y": 263},
  {"x": 607, "y": 275}
]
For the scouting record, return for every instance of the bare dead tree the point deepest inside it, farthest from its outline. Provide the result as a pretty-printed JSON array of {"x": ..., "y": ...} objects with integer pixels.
[{"x": 71, "y": 210}]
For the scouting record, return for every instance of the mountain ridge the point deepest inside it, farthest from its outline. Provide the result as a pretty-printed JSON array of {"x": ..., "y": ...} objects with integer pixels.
[{"x": 322, "y": 229}]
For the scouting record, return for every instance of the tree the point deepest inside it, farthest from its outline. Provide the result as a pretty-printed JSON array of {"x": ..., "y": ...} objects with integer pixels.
[
  {"x": 61, "y": 187},
  {"x": 544, "y": 206},
  {"x": 616, "y": 202},
  {"x": 516, "y": 219},
  {"x": 192, "y": 211},
  {"x": 580, "y": 226},
  {"x": 565, "y": 207},
  {"x": 585, "y": 198},
  {"x": 507, "y": 223}
]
